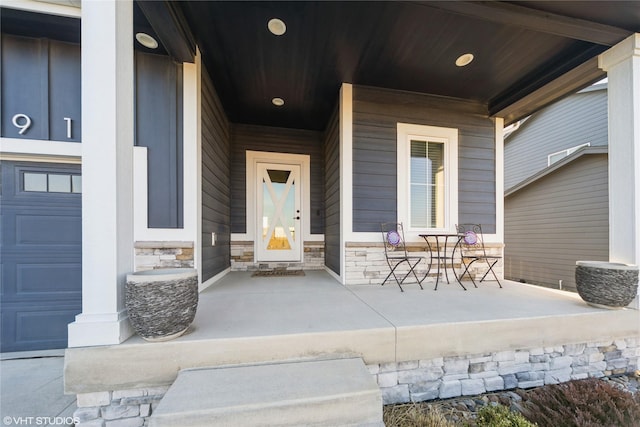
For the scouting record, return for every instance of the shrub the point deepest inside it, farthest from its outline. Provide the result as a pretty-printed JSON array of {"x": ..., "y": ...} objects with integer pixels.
[
  {"x": 583, "y": 403},
  {"x": 501, "y": 416},
  {"x": 414, "y": 415}
]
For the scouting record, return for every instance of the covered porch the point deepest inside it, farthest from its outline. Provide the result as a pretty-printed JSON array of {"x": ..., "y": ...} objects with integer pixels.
[{"x": 419, "y": 345}]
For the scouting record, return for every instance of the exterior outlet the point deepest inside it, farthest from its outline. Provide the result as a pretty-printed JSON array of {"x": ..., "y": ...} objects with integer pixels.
[{"x": 213, "y": 239}]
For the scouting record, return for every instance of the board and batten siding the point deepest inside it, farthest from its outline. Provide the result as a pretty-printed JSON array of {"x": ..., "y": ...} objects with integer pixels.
[
  {"x": 40, "y": 79},
  {"x": 275, "y": 140},
  {"x": 578, "y": 119},
  {"x": 159, "y": 128},
  {"x": 376, "y": 113},
  {"x": 555, "y": 221},
  {"x": 332, "y": 194},
  {"x": 216, "y": 195}
]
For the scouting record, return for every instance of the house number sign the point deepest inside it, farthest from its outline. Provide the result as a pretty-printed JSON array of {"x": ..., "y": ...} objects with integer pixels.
[{"x": 23, "y": 122}]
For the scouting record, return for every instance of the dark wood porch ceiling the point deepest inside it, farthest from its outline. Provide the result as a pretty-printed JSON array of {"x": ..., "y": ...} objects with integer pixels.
[{"x": 520, "y": 49}]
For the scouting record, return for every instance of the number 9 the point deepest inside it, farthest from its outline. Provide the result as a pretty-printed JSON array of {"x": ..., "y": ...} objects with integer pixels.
[{"x": 23, "y": 127}]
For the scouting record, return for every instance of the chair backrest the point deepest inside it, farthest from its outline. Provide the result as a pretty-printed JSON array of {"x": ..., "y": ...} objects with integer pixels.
[
  {"x": 393, "y": 238},
  {"x": 472, "y": 237}
]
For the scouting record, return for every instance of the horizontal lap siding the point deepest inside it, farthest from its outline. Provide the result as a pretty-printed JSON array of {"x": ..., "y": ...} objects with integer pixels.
[
  {"x": 275, "y": 140},
  {"x": 576, "y": 120},
  {"x": 556, "y": 221},
  {"x": 375, "y": 117},
  {"x": 216, "y": 195},
  {"x": 332, "y": 195}
]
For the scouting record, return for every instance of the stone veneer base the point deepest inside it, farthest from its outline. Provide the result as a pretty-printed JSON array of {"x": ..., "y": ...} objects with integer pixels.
[
  {"x": 242, "y": 258},
  {"x": 418, "y": 380}
]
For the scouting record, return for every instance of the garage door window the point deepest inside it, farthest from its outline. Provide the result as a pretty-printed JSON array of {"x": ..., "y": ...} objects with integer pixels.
[{"x": 52, "y": 183}]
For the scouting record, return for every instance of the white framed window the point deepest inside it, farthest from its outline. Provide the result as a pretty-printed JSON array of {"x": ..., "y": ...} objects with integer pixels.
[
  {"x": 559, "y": 155},
  {"x": 427, "y": 177}
]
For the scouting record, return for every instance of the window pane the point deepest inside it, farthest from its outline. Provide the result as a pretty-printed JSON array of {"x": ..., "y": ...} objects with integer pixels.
[
  {"x": 35, "y": 182},
  {"x": 436, "y": 159},
  {"x": 419, "y": 206},
  {"x": 59, "y": 183},
  {"x": 427, "y": 184},
  {"x": 76, "y": 184}
]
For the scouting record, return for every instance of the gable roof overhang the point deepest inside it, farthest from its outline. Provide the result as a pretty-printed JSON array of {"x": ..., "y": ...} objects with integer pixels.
[{"x": 586, "y": 151}]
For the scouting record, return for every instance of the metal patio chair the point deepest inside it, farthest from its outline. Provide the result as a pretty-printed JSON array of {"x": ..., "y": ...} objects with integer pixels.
[
  {"x": 472, "y": 250},
  {"x": 396, "y": 254}
]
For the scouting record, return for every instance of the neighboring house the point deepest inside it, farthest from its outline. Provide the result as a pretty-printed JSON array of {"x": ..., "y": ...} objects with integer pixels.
[
  {"x": 556, "y": 198},
  {"x": 212, "y": 135}
]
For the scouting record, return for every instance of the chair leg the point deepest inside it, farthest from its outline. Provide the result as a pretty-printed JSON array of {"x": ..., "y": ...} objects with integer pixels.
[
  {"x": 392, "y": 273},
  {"x": 414, "y": 272},
  {"x": 466, "y": 270},
  {"x": 492, "y": 272},
  {"x": 401, "y": 281}
]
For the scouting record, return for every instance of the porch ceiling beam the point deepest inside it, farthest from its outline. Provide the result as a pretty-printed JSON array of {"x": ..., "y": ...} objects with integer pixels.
[
  {"x": 171, "y": 27},
  {"x": 570, "y": 82},
  {"x": 536, "y": 20}
]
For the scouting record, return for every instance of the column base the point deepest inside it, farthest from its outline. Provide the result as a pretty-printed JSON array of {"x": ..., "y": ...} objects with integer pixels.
[{"x": 99, "y": 329}]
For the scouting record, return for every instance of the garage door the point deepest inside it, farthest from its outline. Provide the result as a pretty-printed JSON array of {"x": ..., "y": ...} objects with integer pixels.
[{"x": 41, "y": 243}]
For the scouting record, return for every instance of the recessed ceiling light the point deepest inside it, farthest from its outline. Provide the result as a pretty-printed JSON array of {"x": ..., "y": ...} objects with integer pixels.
[
  {"x": 277, "y": 26},
  {"x": 278, "y": 102},
  {"x": 464, "y": 59},
  {"x": 146, "y": 40}
]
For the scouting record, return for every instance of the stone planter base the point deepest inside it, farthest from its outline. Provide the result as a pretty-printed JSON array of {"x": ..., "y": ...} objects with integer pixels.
[
  {"x": 162, "y": 303},
  {"x": 606, "y": 284}
]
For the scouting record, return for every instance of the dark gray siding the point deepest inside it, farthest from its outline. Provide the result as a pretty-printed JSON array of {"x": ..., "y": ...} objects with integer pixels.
[
  {"x": 375, "y": 117},
  {"x": 332, "y": 194},
  {"x": 576, "y": 120},
  {"x": 216, "y": 194},
  {"x": 41, "y": 79},
  {"x": 159, "y": 128},
  {"x": 277, "y": 140},
  {"x": 557, "y": 220}
]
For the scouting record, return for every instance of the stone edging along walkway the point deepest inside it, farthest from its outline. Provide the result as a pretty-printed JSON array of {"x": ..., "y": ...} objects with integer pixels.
[{"x": 465, "y": 408}]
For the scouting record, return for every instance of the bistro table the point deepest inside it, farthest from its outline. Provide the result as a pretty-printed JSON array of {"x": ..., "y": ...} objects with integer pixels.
[{"x": 439, "y": 253}]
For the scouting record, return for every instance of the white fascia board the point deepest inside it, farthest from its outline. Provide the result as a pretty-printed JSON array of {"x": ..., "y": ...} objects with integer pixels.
[{"x": 44, "y": 7}]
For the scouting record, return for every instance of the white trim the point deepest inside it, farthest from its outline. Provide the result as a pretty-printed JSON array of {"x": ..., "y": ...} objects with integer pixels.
[
  {"x": 40, "y": 158},
  {"x": 197, "y": 246},
  {"x": 254, "y": 157},
  {"x": 213, "y": 280},
  {"x": 449, "y": 136},
  {"x": 44, "y": 7},
  {"x": 499, "y": 152},
  {"x": 567, "y": 152},
  {"x": 37, "y": 147},
  {"x": 346, "y": 173}
]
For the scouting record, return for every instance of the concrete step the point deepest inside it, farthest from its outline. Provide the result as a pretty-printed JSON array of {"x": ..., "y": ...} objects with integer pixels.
[{"x": 311, "y": 393}]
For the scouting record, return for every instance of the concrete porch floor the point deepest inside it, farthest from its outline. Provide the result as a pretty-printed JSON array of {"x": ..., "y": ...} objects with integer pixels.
[{"x": 242, "y": 320}]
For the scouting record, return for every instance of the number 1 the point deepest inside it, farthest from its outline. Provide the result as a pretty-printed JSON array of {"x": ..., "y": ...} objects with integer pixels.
[{"x": 68, "y": 120}]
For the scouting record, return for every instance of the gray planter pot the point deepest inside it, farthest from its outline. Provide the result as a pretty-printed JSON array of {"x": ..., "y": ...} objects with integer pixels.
[
  {"x": 162, "y": 303},
  {"x": 606, "y": 284}
]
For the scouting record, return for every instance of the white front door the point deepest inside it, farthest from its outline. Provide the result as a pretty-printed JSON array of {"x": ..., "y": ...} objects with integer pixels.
[{"x": 279, "y": 232}]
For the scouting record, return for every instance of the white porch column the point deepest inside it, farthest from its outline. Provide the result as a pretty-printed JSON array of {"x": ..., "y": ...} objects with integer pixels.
[
  {"x": 107, "y": 172},
  {"x": 622, "y": 64}
]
